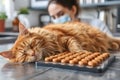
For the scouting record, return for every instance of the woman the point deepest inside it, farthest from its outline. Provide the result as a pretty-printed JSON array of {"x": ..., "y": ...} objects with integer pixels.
[{"x": 62, "y": 11}]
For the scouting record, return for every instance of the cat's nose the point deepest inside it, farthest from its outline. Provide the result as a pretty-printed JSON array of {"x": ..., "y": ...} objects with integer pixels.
[{"x": 31, "y": 52}]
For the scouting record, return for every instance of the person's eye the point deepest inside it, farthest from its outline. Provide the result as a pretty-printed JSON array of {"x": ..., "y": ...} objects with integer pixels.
[
  {"x": 53, "y": 17},
  {"x": 61, "y": 13}
]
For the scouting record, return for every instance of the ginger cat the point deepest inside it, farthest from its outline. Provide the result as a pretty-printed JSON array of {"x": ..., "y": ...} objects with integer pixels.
[{"x": 37, "y": 43}]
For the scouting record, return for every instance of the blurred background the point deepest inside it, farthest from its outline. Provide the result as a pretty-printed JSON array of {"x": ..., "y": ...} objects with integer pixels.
[{"x": 34, "y": 12}]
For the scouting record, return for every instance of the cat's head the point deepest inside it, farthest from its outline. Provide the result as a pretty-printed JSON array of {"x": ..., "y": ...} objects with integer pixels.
[{"x": 26, "y": 47}]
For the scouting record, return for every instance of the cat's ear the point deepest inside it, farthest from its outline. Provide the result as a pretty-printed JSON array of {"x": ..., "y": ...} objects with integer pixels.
[
  {"x": 22, "y": 29},
  {"x": 7, "y": 54}
]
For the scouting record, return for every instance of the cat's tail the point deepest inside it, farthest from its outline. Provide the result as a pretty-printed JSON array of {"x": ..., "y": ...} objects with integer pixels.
[{"x": 114, "y": 44}]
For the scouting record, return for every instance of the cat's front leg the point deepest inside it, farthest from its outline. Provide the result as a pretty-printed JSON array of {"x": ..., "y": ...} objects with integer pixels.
[{"x": 73, "y": 45}]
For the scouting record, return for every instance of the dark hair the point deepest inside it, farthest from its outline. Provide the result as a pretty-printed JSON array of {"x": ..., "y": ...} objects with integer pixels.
[{"x": 67, "y": 3}]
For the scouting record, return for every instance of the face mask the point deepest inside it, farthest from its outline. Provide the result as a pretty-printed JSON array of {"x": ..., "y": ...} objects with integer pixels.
[{"x": 62, "y": 19}]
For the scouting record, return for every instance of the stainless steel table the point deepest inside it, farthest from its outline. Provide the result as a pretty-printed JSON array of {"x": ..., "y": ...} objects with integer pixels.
[{"x": 29, "y": 71}]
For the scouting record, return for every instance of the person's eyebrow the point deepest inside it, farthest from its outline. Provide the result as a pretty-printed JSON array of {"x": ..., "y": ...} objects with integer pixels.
[{"x": 58, "y": 14}]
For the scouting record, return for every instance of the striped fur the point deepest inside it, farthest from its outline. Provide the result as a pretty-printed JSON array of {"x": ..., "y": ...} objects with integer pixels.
[{"x": 38, "y": 43}]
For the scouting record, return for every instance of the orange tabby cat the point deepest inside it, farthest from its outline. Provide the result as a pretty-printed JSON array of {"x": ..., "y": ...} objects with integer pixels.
[{"x": 37, "y": 43}]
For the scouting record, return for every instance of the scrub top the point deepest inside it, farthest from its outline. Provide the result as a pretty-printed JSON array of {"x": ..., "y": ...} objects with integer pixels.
[{"x": 98, "y": 24}]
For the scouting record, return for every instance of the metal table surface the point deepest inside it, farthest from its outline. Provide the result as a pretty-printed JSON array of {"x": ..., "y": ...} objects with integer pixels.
[
  {"x": 29, "y": 71},
  {"x": 7, "y": 37}
]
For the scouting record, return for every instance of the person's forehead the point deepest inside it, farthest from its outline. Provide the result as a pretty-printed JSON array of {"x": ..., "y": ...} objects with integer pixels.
[{"x": 55, "y": 8}]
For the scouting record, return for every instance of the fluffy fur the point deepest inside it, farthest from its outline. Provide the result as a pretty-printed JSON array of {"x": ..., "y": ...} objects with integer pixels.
[{"x": 37, "y": 43}]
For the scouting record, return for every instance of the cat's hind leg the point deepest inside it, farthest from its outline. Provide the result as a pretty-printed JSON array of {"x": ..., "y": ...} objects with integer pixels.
[{"x": 114, "y": 44}]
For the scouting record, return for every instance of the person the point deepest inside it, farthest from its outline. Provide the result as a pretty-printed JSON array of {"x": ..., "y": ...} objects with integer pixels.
[{"x": 62, "y": 11}]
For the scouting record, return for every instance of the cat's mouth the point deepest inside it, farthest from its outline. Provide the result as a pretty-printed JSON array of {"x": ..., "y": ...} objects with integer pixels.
[
  {"x": 24, "y": 56},
  {"x": 24, "y": 59}
]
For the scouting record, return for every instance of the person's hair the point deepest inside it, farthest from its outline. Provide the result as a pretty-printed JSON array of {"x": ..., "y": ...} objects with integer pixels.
[{"x": 67, "y": 4}]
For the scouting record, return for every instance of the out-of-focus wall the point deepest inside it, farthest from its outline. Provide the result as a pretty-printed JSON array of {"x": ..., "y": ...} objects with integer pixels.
[{"x": 33, "y": 15}]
